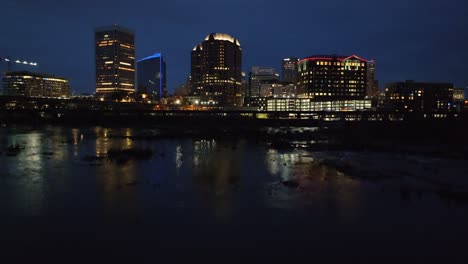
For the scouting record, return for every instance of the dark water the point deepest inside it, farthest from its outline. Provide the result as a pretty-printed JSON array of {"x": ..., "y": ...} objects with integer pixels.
[{"x": 200, "y": 197}]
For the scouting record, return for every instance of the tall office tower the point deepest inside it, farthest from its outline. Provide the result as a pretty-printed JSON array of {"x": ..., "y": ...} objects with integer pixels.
[
  {"x": 115, "y": 62},
  {"x": 216, "y": 70},
  {"x": 373, "y": 89},
  {"x": 332, "y": 77},
  {"x": 289, "y": 70},
  {"x": 259, "y": 76},
  {"x": 151, "y": 76}
]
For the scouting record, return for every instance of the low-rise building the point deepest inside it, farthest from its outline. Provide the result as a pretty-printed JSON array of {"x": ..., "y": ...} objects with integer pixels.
[
  {"x": 30, "y": 84},
  {"x": 310, "y": 105},
  {"x": 410, "y": 96}
]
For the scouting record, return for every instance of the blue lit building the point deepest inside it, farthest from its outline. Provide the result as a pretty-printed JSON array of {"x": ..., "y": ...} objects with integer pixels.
[{"x": 151, "y": 76}]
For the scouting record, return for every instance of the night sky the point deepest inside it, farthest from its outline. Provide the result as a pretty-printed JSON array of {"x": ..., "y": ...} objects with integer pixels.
[{"x": 423, "y": 40}]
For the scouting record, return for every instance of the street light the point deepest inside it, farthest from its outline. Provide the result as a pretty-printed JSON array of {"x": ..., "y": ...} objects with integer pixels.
[{"x": 9, "y": 61}]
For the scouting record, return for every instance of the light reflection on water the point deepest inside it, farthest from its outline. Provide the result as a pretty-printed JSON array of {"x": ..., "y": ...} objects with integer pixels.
[
  {"x": 218, "y": 174},
  {"x": 201, "y": 186}
]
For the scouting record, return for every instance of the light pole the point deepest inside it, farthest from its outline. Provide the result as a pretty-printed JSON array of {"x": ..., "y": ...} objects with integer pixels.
[{"x": 9, "y": 61}]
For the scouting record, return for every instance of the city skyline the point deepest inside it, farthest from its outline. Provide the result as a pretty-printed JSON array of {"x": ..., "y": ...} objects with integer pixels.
[{"x": 413, "y": 41}]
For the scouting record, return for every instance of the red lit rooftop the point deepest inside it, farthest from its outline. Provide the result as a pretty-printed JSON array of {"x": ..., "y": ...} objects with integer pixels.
[{"x": 332, "y": 57}]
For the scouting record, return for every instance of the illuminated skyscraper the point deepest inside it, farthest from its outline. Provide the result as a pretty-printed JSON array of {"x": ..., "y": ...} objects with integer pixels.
[
  {"x": 332, "y": 77},
  {"x": 151, "y": 76},
  {"x": 115, "y": 62},
  {"x": 216, "y": 72},
  {"x": 289, "y": 70}
]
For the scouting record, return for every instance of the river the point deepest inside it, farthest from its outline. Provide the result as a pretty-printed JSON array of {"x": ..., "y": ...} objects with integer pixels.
[{"x": 224, "y": 196}]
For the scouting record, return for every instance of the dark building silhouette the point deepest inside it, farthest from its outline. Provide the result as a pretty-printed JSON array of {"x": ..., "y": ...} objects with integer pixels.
[
  {"x": 289, "y": 70},
  {"x": 151, "y": 76},
  {"x": 410, "y": 96},
  {"x": 373, "y": 89},
  {"x": 332, "y": 77},
  {"x": 115, "y": 62},
  {"x": 31, "y": 84},
  {"x": 216, "y": 70}
]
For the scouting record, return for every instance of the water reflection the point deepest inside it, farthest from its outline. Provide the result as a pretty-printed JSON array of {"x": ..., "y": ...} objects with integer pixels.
[
  {"x": 28, "y": 188},
  {"x": 304, "y": 182},
  {"x": 216, "y": 173},
  {"x": 77, "y": 138},
  {"x": 119, "y": 182},
  {"x": 221, "y": 176}
]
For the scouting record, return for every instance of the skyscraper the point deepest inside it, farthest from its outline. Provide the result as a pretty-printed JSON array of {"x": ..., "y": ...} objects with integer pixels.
[
  {"x": 216, "y": 70},
  {"x": 115, "y": 62},
  {"x": 373, "y": 89},
  {"x": 259, "y": 76},
  {"x": 289, "y": 70},
  {"x": 151, "y": 76},
  {"x": 332, "y": 77}
]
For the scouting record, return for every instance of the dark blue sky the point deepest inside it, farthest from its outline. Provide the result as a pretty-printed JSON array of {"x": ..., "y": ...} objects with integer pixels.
[{"x": 424, "y": 40}]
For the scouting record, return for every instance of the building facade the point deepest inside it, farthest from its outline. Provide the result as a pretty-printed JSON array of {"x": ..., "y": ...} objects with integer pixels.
[
  {"x": 151, "y": 76},
  {"x": 310, "y": 105},
  {"x": 29, "y": 84},
  {"x": 289, "y": 70},
  {"x": 216, "y": 70},
  {"x": 373, "y": 88},
  {"x": 332, "y": 77},
  {"x": 115, "y": 62},
  {"x": 260, "y": 76},
  {"x": 410, "y": 96}
]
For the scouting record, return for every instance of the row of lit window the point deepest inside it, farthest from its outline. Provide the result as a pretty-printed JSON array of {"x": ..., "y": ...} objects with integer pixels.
[{"x": 337, "y": 63}]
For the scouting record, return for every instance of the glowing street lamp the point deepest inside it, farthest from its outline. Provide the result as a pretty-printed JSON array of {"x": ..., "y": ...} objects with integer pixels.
[{"x": 9, "y": 61}]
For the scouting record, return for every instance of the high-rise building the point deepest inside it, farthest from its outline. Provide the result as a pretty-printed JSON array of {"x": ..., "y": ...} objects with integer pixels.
[
  {"x": 410, "y": 96},
  {"x": 332, "y": 77},
  {"x": 216, "y": 70},
  {"x": 115, "y": 62},
  {"x": 151, "y": 76},
  {"x": 289, "y": 70},
  {"x": 373, "y": 89},
  {"x": 259, "y": 76},
  {"x": 31, "y": 84}
]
